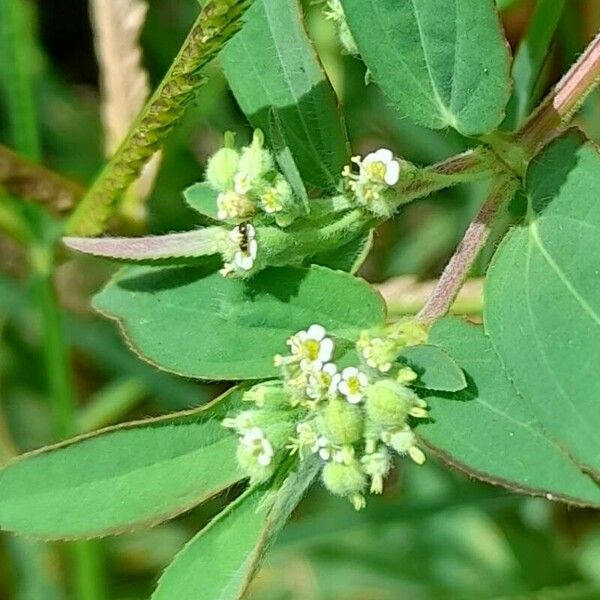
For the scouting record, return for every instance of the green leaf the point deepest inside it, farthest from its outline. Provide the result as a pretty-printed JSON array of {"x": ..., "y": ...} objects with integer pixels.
[
  {"x": 435, "y": 368},
  {"x": 273, "y": 70},
  {"x": 349, "y": 257},
  {"x": 443, "y": 64},
  {"x": 122, "y": 478},
  {"x": 189, "y": 244},
  {"x": 194, "y": 322},
  {"x": 530, "y": 59},
  {"x": 491, "y": 432},
  {"x": 219, "y": 563},
  {"x": 203, "y": 199},
  {"x": 542, "y": 309}
]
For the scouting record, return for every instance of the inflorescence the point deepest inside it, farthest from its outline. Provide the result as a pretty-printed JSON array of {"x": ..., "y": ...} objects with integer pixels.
[
  {"x": 251, "y": 192},
  {"x": 351, "y": 419}
]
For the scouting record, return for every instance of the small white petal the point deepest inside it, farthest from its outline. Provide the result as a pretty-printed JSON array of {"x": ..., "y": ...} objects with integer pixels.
[
  {"x": 325, "y": 349},
  {"x": 250, "y": 231},
  {"x": 325, "y": 453},
  {"x": 392, "y": 173},
  {"x": 243, "y": 261},
  {"x": 316, "y": 332},
  {"x": 384, "y": 155},
  {"x": 363, "y": 379},
  {"x": 349, "y": 372},
  {"x": 252, "y": 249},
  {"x": 264, "y": 460},
  {"x": 333, "y": 386},
  {"x": 354, "y": 398},
  {"x": 343, "y": 387},
  {"x": 330, "y": 369},
  {"x": 369, "y": 158}
]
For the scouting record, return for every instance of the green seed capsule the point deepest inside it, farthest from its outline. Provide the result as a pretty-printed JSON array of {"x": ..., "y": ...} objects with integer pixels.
[
  {"x": 388, "y": 403},
  {"x": 344, "y": 479},
  {"x": 221, "y": 169},
  {"x": 341, "y": 422}
]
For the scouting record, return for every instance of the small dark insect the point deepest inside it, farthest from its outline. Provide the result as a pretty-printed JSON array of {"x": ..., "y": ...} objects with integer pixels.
[{"x": 244, "y": 241}]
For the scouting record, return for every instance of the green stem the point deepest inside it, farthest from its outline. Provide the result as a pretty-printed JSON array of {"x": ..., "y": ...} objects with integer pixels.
[
  {"x": 215, "y": 25},
  {"x": 54, "y": 344},
  {"x": 17, "y": 50},
  {"x": 89, "y": 578},
  {"x": 470, "y": 166},
  {"x": 29, "y": 180},
  {"x": 457, "y": 270},
  {"x": 407, "y": 296}
]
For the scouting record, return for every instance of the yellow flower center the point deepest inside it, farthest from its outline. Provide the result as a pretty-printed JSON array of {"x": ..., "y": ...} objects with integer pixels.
[
  {"x": 311, "y": 349},
  {"x": 353, "y": 385},
  {"x": 376, "y": 171}
]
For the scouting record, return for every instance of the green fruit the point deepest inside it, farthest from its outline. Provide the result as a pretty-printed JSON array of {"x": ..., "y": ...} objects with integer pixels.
[
  {"x": 341, "y": 422},
  {"x": 344, "y": 479},
  {"x": 388, "y": 403}
]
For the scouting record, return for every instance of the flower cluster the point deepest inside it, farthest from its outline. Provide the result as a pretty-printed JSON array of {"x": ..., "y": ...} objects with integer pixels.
[
  {"x": 248, "y": 183},
  {"x": 372, "y": 186},
  {"x": 350, "y": 419},
  {"x": 249, "y": 189}
]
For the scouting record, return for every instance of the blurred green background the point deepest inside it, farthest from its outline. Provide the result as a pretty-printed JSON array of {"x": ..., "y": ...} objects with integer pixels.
[{"x": 435, "y": 533}]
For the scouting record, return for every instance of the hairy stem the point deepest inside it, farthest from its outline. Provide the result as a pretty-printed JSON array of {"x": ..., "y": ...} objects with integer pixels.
[
  {"x": 559, "y": 107},
  {"x": 473, "y": 165},
  {"x": 405, "y": 295},
  {"x": 445, "y": 292},
  {"x": 216, "y": 24},
  {"x": 26, "y": 179}
]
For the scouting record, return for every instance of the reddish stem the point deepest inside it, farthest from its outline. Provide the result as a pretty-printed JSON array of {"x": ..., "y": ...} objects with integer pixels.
[
  {"x": 457, "y": 270},
  {"x": 556, "y": 111}
]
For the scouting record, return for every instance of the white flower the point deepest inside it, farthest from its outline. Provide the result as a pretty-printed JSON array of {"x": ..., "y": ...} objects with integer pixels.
[
  {"x": 311, "y": 347},
  {"x": 323, "y": 381},
  {"x": 241, "y": 423},
  {"x": 307, "y": 438},
  {"x": 353, "y": 384},
  {"x": 243, "y": 235},
  {"x": 380, "y": 166},
  {"x": 233, "y": 205},
  {"x": 325, "y": 448},
  {"x": 256, "y": 444}
]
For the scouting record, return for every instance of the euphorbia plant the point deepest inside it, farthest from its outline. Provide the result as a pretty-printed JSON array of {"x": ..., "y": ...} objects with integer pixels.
[{"x": 267, "y": 296}]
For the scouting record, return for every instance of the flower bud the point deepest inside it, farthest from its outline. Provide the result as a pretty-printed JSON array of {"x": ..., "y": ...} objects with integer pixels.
[
  {"x": 255, "y": 162},
  {"x": 406, "y": 375},
  {"x": 404, "y": 441},
  {"x": 249, "y": 464},
  {"x": 221, "y": 169},
  {"x": 344, "y": 479},
  {"x": 342, "y": 422},
  {"x": 376, "y": 465},
  {"x": 270, "y": 394},
  {"x": 389, "y": 403}
]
